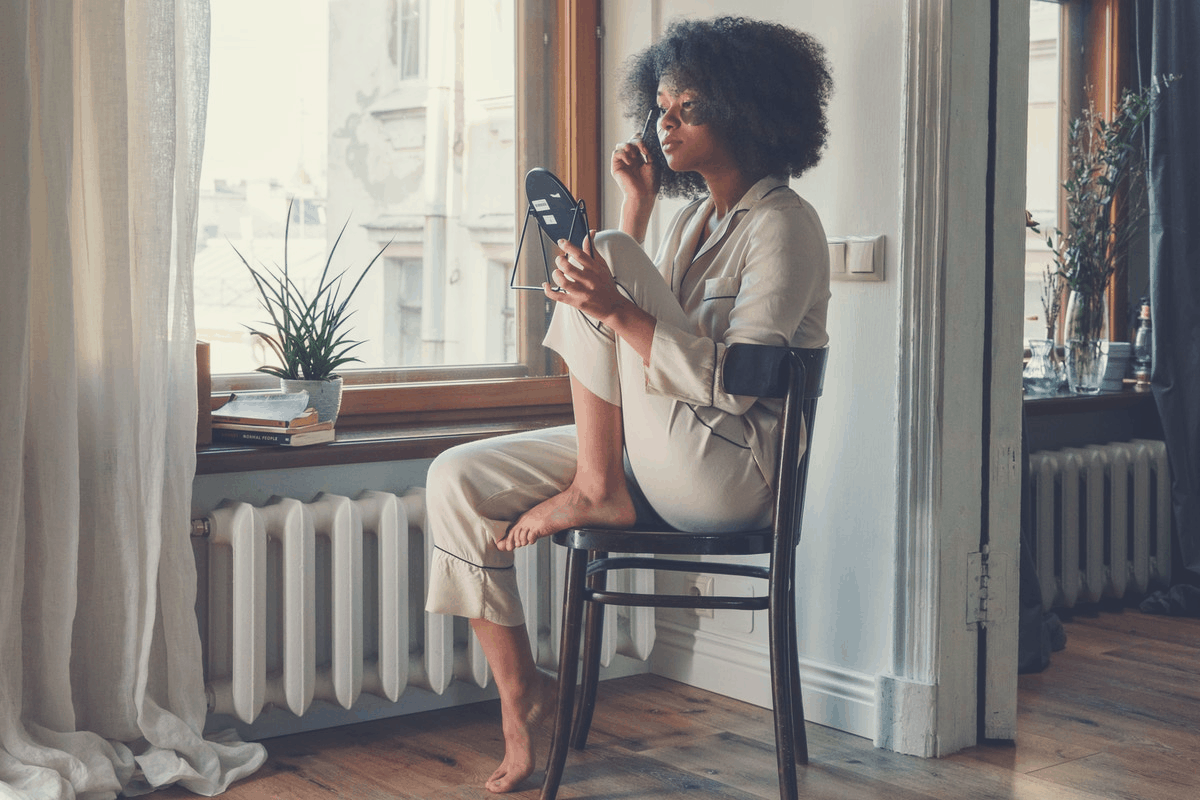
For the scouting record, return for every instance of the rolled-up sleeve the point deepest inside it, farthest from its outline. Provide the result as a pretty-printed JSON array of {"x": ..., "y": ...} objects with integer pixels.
[{"x": 784, "y": 277}]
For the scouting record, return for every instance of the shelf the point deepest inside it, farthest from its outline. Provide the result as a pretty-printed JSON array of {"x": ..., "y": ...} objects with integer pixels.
[
  {"x": 1130, "y": 398},
  {"x": 392, "y": 443}
]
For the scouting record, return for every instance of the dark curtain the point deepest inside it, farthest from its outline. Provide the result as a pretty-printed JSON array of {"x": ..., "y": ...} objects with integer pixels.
[{"x": 1174, "y": 42}]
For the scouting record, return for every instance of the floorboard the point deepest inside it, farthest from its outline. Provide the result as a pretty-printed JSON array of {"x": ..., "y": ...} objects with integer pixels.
[{"x": 1116, "y": 715}]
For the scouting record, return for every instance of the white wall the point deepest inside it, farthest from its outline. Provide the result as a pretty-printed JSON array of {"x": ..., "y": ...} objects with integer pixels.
[{"x": 846, "y": 554}]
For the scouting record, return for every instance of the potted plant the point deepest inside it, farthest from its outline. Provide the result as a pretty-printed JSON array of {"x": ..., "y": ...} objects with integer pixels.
[
  {"x": 1106, "y": 204},
  {"x": 310, "y": 333},
  {"x": 1041, "y": 375}
]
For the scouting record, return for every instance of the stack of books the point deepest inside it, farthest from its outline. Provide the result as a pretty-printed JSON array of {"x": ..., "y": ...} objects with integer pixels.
[{"x": 282, "y": 419}]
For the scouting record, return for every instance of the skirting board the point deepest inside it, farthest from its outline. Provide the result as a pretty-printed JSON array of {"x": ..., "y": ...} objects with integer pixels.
[
  {"x": 907, "y": 717},
  {"x": 834, "y": 697}
]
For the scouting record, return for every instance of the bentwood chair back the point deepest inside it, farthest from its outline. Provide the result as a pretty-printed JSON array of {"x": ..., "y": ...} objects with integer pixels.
[{"x": 796, "y": 375}]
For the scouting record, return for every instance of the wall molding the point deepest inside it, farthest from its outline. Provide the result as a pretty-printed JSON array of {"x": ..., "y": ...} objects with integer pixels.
[
  {"x": 907, "y": 722},
  {"x": 739, "y": 668},
  {"x": 950, "y": 455},
  {"x": 908, "y": 714},
  {"x": 922, "y": 343}
]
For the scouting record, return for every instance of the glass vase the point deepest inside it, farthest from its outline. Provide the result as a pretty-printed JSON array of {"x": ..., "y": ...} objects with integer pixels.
[
  {"x": 1040, "y": 377},
  {"x": 1087, "y": 359}
]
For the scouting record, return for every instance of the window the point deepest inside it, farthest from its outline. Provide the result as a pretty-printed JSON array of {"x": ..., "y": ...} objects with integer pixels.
[
  {"x": 402, "y": 298},
  {"x": 1080, "y": 51},
  {"x": 408, "y": 35},
  {"x": 1042, "y": 155},
  {"x": 503, "y": 335},
  {"x": 410, "y": 130}
]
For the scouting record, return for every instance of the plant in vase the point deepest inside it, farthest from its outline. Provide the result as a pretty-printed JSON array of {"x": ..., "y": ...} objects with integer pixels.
[
  {"x": 1043, "y": 373},
  {"x": 1106, "y": 205},
  {"x": 310, "y": 336}
]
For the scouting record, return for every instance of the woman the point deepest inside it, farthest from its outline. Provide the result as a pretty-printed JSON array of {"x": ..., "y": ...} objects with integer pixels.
[{"x": 740, "y": 107}]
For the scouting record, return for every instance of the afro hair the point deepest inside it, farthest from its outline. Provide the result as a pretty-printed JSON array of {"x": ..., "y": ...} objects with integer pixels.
[{"x": 764, "y": 88}]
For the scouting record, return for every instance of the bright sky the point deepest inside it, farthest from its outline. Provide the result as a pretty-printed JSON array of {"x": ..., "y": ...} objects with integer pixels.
[{"x": 268, "y": 85}]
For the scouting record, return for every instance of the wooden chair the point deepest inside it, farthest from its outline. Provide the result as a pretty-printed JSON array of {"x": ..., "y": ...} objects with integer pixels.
[{"x": 796, "y": 375}]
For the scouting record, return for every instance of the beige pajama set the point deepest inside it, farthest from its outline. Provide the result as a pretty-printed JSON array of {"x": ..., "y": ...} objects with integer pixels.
[{"x": 703, "y": 459}]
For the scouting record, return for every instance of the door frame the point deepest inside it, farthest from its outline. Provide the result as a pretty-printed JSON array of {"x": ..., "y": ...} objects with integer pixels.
[{"x": 953, "y": 676}]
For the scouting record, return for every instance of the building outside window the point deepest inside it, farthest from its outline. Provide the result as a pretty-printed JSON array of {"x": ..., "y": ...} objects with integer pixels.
[
  {"x": 408, "y": 34},
  {"x": 394, "y": 118},
  {"x": 1042, "y": 169},
  {"x": 402, "y": 287}
]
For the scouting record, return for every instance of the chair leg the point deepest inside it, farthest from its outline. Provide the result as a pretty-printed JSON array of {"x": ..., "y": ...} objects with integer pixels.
[
  {"x": 799, "y": 733},
  {"x": 781, "y": 691},
  {"x": 593, "y": 631},
  {"x": 568, "y": 663}
]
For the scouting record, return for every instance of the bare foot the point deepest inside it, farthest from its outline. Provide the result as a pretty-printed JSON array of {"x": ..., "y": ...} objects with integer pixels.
[
  {"x": 520, "y": 720},
  {"x": 569, "y": 509}
]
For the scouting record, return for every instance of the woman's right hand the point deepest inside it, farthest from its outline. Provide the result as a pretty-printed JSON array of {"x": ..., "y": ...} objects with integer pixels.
[
  {"x": 637, "y": 177},
  {"x": 634, "y": 172}
]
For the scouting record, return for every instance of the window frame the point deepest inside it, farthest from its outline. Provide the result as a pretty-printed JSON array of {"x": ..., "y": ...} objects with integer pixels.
[
  {"x": 1098, "y": 56},
  {"x": 558, "y": 39},
  {"x": 422, "y": 17}
]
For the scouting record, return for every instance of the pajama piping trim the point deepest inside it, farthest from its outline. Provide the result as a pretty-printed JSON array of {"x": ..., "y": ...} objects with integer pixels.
[
  {"x": 713, "y": 432},
  {"x": 472, "y": 563}
]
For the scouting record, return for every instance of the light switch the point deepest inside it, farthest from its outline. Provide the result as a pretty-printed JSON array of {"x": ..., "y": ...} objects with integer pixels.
[
  {"x": 860, "y": 256},
  {"x": 864, "y": 257},
  {"x": 837, "y": 256}
]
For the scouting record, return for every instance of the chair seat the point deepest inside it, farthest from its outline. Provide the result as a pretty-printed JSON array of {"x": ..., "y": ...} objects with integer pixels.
[{"x": 735, "y": 543}]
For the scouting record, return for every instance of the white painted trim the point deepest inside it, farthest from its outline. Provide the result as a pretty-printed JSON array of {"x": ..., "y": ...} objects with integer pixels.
[
  {"x": 907, "y": 716},
  {"x": 1008, "y": 302},
  {"x": 903, "y": 724},
  {"x": 930, "y": 708},
  {"x": 739, "y": 668},
  {"x": 923, "y": 246}
]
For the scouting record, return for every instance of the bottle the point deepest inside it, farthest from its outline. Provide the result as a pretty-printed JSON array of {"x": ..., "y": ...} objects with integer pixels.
[{"x": 1141, "y": 349}]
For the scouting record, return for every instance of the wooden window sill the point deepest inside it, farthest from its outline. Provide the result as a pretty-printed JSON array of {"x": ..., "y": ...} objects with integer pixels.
[
  {"x": 400, "y": 423},
  {"x": 358, "y": 445},
  {"x": 1066, "y": 403}
]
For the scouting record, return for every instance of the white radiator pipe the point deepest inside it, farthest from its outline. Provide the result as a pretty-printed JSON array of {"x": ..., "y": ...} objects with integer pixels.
[
  {"x": 337, "y": 518},
  {"x": 240, "y": 539},
  {"x": 436, "y": 669},
  {"x": 385, "y": 517},
  {"x": 1160, "y": 506},
  {"x": 290, "y": 522}
]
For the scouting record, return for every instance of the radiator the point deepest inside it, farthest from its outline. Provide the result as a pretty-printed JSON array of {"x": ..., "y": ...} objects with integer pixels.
[
  {"x": 1102, "y": 521},
  {"x": 324, "y": 601}
]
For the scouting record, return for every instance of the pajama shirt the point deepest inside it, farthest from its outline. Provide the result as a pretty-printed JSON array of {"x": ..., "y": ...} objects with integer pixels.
[{"x": 702, "y": 458}]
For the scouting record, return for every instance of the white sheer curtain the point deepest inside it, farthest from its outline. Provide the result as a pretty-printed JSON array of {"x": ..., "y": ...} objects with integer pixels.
[{"x": 102, "y": 107}]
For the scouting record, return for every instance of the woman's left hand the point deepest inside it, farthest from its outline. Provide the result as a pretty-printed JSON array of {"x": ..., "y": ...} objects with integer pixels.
[{"x": 586, "y": 280}]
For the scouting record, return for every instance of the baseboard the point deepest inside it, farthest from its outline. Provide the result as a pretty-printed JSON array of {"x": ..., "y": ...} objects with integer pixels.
[
  {"x": 833, "y": 696},
  {"x": 907, "y": 717}
]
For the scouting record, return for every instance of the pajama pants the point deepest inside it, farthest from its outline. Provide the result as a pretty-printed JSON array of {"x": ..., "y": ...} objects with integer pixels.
[{"x": 693, "y": 477}]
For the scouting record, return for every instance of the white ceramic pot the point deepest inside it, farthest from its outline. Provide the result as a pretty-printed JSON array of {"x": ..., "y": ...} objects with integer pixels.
[{"x": 324, "y": 396}]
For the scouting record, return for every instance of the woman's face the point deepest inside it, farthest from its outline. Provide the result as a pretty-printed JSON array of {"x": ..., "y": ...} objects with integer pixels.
[{"x": 688, "y": 144}]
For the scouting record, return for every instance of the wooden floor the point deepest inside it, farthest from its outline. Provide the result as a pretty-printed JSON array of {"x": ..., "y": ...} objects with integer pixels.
[{"x": 1116, "y": 715}]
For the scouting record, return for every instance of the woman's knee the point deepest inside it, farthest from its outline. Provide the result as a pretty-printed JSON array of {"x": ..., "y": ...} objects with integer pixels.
[
  {"x": 618, "y": 249},
  {"x": 449, "y": 479},
  {"x": 446, "y": 469}
]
